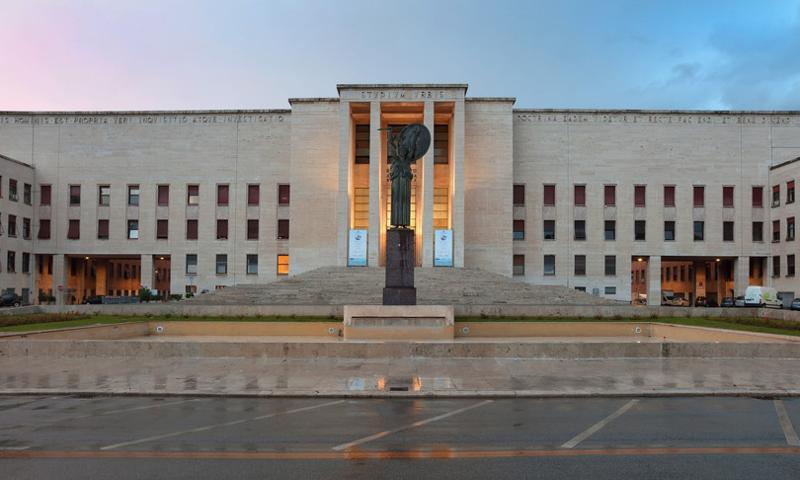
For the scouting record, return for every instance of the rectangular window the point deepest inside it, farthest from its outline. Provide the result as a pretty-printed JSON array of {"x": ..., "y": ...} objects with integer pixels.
[
  {"x": 222, "y": 229},
  {"x": 549, "y": 265},
  {"x": 74, "y": 230},
  {"x": 283, "y": 195},
  {"x": 253, "y": 194},
  {"x": 191, "y": 264},
  {"x": 699, "y": 231},
  {"x": 580, "y": 229},
  {"x": 519, "y": 195},
  {"x": 252, "y": 264},
  {"x": 519, "y": 229},
  {"x": 610, "y": 195},
  {"x": 610, "y": 230},
  {"x": 193, "y": 194},
  {"x": 611, "y": 290},
  {"x": 639, "y": 229},
  {"x": 758, "y": 197},
  {"x": 252, "y": 229},
  {"x": 549, "y": 229},
  {"x": 133, "y": 195},
  {"x": 776, "y": 195},
  {"x": 222, "y": 264},
  {"x": 74, "y": 195},
  {"x": 789, "y": 265},
  {"x": 580, "y": 265},
  {"x": 191, "y": 229},
  {"x": 223, "y": 192},
  {"x": 11, "y": 263},
  {"x": 669, "y": 195},
  {"x": 519, "y": 265},
  {"x": 727, "y": 231},
  {"x": 27, "y": 197},
  {"x": 26, "y": 262},
  {"x": 102, "y": 229},
  {"x": 699, "y": 196},
  {"x": 790, "y": 228},
  {"x": 12, "y": 225},
  {"x": 162, "y": 229},
  {"x": 758, "y": 231},
  {"x": 611, "y": 265},
  {"x": 44, "y": 229},
  {"x": 727, "y": 197},
  {"x": 12, "y": 189},
  {"x": 104, "y": 195},
  {"x": 639, "y": 196},
  {"x": 44, "y": 195},
  {"x": 580, "y": 195},
  {"x": 283, "y": 265},
  {"x": 163, "y": 196},
  {"x": 776, "y": 231},
  {"x": 776, "y": 266},
  {"x": 549, "y": 195},
  {"x": 133, "y": 229},
  {"x": 669, "y": 231},
  {"x": 790, "y": 191},
  {"x": 26, "y": 228},
  {"x": 283, "y": 229}
]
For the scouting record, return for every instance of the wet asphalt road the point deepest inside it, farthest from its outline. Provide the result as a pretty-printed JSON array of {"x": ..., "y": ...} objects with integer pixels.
[{"x": 202, "y": 438}]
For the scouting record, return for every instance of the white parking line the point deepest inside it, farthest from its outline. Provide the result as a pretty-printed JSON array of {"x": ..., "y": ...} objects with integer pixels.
[
  {"x": 13, "y": 449},
  {"x": 786, "y": 424},
  {"x": 218, "y": 425},
  {"x": 143, "y": 407},
  {"x": 420, "y": 423},
  {"x": 597, "y": 426}
]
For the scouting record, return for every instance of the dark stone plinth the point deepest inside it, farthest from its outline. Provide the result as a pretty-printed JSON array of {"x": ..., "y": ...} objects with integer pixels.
[{"x": 400, "y": 261}]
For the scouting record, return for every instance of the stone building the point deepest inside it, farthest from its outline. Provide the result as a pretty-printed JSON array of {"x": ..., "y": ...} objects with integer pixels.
[{"x": 621, "y": 204}]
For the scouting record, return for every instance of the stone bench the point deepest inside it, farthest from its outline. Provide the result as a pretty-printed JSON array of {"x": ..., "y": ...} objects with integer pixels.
[{"x": 398, "y": 322}]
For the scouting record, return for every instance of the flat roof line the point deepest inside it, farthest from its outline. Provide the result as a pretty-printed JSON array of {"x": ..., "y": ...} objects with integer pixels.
[
  {"x": 313, "y": 100},
  {"x": 783, "y": 164},
  {"x": 351, "y": 86},
  {"x": 148, "y": 112},
  {"x": 644, "y": 111},
  {"x": 491, "y": 99},
  {"x": 4, "y": 157}
]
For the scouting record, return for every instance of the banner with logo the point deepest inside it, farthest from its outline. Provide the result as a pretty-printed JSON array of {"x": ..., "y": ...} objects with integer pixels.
[
  {"x": 357, "y": 249},
  {"x": 443, "y": 248}
]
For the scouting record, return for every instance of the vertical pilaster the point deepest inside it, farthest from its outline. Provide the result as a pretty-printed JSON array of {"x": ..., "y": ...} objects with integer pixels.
[
  {"x": 345, "y": 181},
  {"x": 375, "y": 177},
  {"x": 59, "y": 278},
  {"x": 654, "y": 280},
  {"x": 101, "y": 277},
  {"x": 146, "y": 271},
  {"x": 427, "y": 190},
  {"x": 458, "y": 184}
]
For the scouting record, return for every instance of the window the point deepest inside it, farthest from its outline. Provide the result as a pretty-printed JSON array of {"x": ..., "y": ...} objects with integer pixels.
[
  {"x": 580, "y": 289},
  {"x": 669, "y": 195},
  {"x": 102, "y": 229},
  {"x": 790, "y": 191},
  {"x": 252, "y": 264},
  {"x": 283, "y": 229},
  {"x": 611, "y": 265},
  {"x": 758, "y": 231},
  {"x": 610, "y": 195},
  {"x": 580, "y": 195},
  {"x": 26, "y": 262},
  {"x": 610, "y": 230},
  {"x": 26, "y": 228},
  {"x": 519, "y": 265},
  {"x": 549, "y": 195},
  {"x": 191, "y": 264},
  {"x": 12, "y": 190},
  {"x": 283, "y": 198},
  {"x": 519, "y": 229},
  {"x": 669, "y": 231},
  {"x": 162, "y": 229},
  {"x": 776, "y": 231},
  {"x": 133, "y": 229},
  {"x": 580, "y": 229},
  {"x": 790, "y": 229},
  {"x": 104, "y": 195},
  {"x": 580, "y": 265},
  {"x": 74, "y": 195},
  {"x": 283, "y": 265},
  {"x": 222, "y": 229},
  {"x": 727, "y": 231},
  {"x": 193, "y": 194},
  {"x": 549, "y": 265},
  {"x": 12, "y": 225},
  {"x": 253, "y": 194},
  {"x": 776, "y": 195},
  {"x": 11, "y": 262},
  {"x": 191, "y": 229},
  {"x": 776, "y": 266},
  {"x": 222, "y": 264},
  {"x": 727, "y": 197},
  {"x": 163, "y": 196},
  {"x": 699, "y": 231},
  {"x": 611, "y": 290},
  {"x": 519, "y": 195},
  {"x": 639, "y": 197},
  {"x": 222, "y": 195},
  {"x": 44, "y": 195},
  {"x": 73, "y": 230},
  {"x": 252, "y": 229},
  {"x": 27, "y": 197},
  {"x": 639, "y": 228},
  {"x": 133, "y": 195},
  {"x": 789, "y": 265},
  {"x": 699, "y": 196},
  {"x": 549, "y": 229},
  {"x": 44, "y": 229},
  {"x": 758, "y": 197}
]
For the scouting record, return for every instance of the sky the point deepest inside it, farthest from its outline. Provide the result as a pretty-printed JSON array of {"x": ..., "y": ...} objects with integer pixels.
[{"x": 200, "y": 54}]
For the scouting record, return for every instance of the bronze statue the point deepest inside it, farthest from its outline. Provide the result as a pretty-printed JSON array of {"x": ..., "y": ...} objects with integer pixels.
[{"x": 404, "y": 148}]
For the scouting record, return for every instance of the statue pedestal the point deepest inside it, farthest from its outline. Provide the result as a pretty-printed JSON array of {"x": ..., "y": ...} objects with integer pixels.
[{"x": 400, "y": 261}]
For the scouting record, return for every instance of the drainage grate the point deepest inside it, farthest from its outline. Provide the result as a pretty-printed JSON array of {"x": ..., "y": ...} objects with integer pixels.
[{"x": 398, "y": 389}]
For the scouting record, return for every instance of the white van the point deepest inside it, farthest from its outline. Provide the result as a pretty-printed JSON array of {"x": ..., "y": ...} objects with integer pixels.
[{"x": 762, "y": 297}]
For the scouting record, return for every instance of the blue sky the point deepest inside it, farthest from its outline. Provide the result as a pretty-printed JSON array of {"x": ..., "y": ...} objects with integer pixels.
[{"x": 167, "y": 54}]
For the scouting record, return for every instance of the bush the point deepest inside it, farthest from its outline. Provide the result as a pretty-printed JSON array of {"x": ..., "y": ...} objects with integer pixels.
[
  {"x": 175, "y": 296},
  {"x": 145, "y": 295}
]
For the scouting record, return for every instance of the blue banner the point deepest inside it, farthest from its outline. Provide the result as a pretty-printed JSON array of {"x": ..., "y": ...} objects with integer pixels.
[
  {"x": 443, "y": 248},
  {"x": 357, "y": 249}
]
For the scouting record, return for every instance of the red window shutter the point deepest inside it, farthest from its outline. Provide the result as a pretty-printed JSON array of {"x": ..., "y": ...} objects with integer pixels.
[
  {"x": 283, "y": 229},
  {"x": 253, "y": 194},
  {"x": 45, "y": 195},
  {"x": 102, "y": 229},
  {"x": 252, "y": 229},
  {"x": 669, "y": 196},
  {"x": 222, "y": 194},
  {"x": 162, "y": 229},
  {"x": 191, "y": 229},
  {"x": 639, "y": 195},
  {"x": 580, "y": 195},
  {"x": 610, "y": 195},
  {"x": 519, "y": 260},
  {"x": 44, "y": 229},
  {"x": 519, "y": 194},
  {"x": 699, "y": 196},
  {"x": 163, "y": 195},
  {"x": 727, "y": 196},
  {"x": 758, "y": 197},
  {"x": 283, "y": 194},
  {"x": 549, "y": 194},
  {"x": 222, "y": 229},
  {"x": 74, "y": 230}
]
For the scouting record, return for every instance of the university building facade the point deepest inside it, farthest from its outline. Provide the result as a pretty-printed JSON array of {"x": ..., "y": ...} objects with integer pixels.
[{"x": 621, "y": 204}]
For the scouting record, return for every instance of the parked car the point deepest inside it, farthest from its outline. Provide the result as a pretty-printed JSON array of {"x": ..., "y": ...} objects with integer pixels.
[
  {"x": 669, "y": 298},
  {"x": 712, "y": 302},
  {"x": 739, "y": 301},
  {"x": 795, "y": 304},
  {"x": 700, "y": 301},
  {"x": 756, "y": 296},
  {"x": 93, "y": 300},
  {"x": 10, "y": 299},
  {"x": 727, "y": 302}
]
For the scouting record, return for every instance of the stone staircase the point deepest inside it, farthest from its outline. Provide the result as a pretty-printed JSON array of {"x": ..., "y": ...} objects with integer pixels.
[{"x": 364, "y": 286}]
